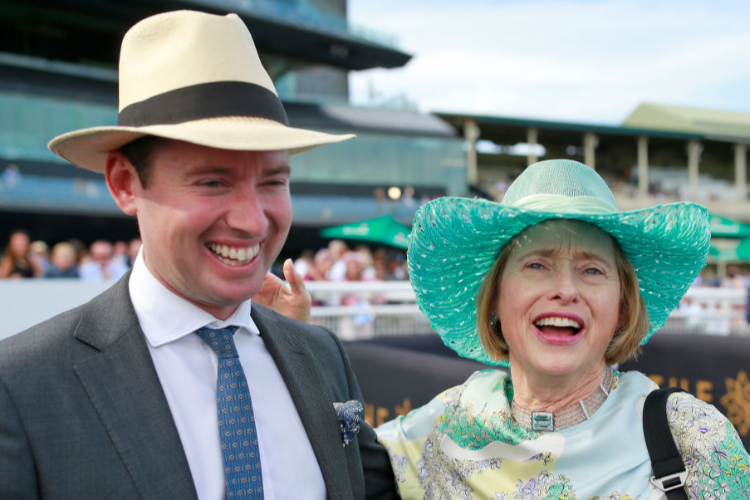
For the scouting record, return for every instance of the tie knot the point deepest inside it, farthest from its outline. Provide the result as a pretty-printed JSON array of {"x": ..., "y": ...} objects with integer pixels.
[{"x": 220, "y": 340}]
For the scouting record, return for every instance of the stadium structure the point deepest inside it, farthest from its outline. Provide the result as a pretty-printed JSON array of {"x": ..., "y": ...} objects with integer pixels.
[
  {"x": 659, "y": 154},
  {"x": 58, "y": 72}
]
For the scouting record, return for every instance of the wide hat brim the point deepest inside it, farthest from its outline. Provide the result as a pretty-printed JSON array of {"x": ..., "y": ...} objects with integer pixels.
[
  {"x": 455, "y": 241},
  {"x": 88, "y": 148}
]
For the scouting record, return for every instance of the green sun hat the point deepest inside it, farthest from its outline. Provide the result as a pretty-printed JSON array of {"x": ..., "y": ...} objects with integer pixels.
[{"x": 455, "y": 241}]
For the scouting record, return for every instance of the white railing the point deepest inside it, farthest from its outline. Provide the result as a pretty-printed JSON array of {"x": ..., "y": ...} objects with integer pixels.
[
  {"x": 373, "y": 308},
  {"x": 356, "y": 310},
  {"x": 715, "y": 311}
]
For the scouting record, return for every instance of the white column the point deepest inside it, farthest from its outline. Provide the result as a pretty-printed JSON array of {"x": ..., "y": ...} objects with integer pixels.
[
  {"x": 740, "y": 170},
  {"x": 721, "y": 269},
  {"x": 590, "y": 142},
  {"x": 642, "y": 166},
  {"x": 531, "y": 139},
  {"x": 471, "y": 135},
  {"x": 694, "y": 150}
]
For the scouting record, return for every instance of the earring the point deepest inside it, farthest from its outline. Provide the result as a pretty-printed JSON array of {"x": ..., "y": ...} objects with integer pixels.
[{"x": 495, "y": 325}]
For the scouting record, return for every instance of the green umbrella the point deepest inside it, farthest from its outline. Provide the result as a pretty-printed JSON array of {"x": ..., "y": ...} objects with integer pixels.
[
  {"x": 722, "y": 227},
  {"x": 743, "y": 249},
  {"x": 384, "y": 229},
  {"x": 739, "y": 253}
]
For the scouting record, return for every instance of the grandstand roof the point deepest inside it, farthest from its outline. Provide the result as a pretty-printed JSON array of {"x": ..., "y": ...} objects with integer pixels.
[
  {"x": 351, "y": 119},
  {"x": 64, "y": 30},
  {"x": 514, "y": 129},
  {"x": 719, "y": 125},
  {"x": 508, "y": 131},
  {"x": 82, "y": 84}
]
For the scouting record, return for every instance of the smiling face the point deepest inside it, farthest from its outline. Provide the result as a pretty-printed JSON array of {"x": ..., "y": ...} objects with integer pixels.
[
  {"x": 212, "y": 221},
  {"x": 559, "y": 299}
]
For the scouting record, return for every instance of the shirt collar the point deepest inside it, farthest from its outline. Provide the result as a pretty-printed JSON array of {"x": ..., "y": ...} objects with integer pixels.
[{"x": 165, "y": 317}]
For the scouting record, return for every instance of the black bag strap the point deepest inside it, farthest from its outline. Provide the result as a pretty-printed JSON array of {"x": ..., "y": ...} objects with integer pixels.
[{"x": 666, "y": 462}]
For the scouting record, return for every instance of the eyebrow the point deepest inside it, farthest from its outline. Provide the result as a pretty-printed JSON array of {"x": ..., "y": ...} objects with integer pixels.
[
  {"x": 281, "y": 169},
  {"x": 549, "y": 252},
  {"x": 208, "y": 169},
  {"x": 217, "y": 169}
]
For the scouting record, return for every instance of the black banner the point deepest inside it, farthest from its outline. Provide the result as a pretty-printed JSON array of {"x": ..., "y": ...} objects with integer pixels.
[{"x": 397, "y": 374}]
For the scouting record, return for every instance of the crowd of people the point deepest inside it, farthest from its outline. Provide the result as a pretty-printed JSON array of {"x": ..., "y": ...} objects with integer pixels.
[
  {"x": 337, "y": 262},
  {"x": 104, "y": 260},
  {"x": 100, "y": 261}
]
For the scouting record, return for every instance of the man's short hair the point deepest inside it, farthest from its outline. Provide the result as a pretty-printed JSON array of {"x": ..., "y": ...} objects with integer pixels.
[{"x": 140, "y": 153}]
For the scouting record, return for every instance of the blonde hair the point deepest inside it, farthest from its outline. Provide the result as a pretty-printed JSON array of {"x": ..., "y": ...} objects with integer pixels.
[{"x": 633, "y": 315}]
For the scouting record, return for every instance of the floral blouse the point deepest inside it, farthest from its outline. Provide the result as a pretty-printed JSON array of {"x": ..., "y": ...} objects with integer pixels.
[{"x": 464, "y": 444}]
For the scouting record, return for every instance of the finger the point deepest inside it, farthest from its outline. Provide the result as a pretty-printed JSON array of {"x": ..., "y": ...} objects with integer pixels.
[
  {"x": 268, "y": 290},
  {"x": 295, "y": 280}
]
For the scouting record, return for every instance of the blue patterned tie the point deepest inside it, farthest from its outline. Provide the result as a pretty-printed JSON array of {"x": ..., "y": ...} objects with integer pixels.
[{"x": 239, "y": 440}]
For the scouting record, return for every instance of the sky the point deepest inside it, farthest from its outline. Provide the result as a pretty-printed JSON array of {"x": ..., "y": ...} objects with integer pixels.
[{"x": 583, "y": 61}]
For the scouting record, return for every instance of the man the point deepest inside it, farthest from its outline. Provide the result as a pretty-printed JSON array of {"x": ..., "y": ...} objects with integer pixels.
[
  {"x": 119, "y": 398},
  {"x": 102, "y": 266}
]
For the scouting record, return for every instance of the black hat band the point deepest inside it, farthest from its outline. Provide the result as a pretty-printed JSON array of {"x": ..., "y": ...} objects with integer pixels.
[{"x": 205, "y": 100}]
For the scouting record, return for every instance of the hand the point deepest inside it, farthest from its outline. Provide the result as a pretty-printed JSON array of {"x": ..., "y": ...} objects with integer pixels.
[{"x": 293, "y": 301}]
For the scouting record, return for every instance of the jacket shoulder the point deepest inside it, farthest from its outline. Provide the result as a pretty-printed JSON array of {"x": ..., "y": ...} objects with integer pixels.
[
  {"x": 314, "y": 336},
  {"x": 44, "y": 335},
  {"x": 70, "y": 332}
]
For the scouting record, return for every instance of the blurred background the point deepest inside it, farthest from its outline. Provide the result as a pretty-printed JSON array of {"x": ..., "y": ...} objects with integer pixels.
[{"x": 447, "y": 99}]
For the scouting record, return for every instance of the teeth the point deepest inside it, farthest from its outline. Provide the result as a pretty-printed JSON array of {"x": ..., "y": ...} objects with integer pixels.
[
  {"x": 556, "y": 321},
  {"x": 234, "y": 256}
]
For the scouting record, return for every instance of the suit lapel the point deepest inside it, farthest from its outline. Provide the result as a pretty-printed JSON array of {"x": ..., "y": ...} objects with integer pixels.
[
  {"x": 311, "y": 397},
  {"x": 123, "y": 386}
]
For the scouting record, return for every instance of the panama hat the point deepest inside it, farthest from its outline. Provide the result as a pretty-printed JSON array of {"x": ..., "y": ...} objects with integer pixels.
[
  {"x": 455, "y": 241},
  {"x": 194, "y": 77}
]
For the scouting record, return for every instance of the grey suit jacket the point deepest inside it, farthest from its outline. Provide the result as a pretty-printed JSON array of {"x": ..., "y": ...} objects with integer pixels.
[{"x": 83, "y": 415}]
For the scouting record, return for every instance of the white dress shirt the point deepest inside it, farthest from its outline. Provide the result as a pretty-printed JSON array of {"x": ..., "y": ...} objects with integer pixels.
[{"x": 187, "y": 369}]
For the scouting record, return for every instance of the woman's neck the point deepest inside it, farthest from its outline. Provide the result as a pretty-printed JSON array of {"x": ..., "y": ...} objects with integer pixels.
[{"x": 544, "y": 392}]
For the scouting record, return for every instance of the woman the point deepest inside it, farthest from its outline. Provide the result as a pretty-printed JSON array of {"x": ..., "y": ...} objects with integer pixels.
[
  {"x": 16, "y": 263},
  {"x": 558, "y": 285},
  {"x": 63, "y": 262}
]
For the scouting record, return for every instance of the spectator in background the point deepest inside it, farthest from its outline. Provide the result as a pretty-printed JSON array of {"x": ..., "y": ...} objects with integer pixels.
[
  {"x": 357, "y": 325},
  {"x": 380, "y": 264},
  {"x": 368, "y": 261},
  {"x": 324, "y": 261},
  {"x": 39, "y": 253},
  {"x": 120, "y": 253},
  {"x": 305, "y": 265},
  {"x": 354, "y": 266},
  {"x": 101, "y": 267},
  {"x": 133, "y": 248},
  {"x": 63, "y": 262},
  {"x": 736, "y": 278},
  {"x": 16, "y": 262},
  {"x": 338, "y": 271},
  {"x": 82, "y": 252},
  {"x": 396, "y": 270}
]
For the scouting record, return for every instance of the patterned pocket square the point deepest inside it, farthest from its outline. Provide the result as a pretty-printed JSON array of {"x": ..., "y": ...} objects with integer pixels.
[{"x": 350, "y": 415}]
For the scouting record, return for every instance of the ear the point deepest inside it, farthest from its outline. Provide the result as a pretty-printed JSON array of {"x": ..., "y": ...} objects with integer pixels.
[{"x": 123, "y": 182}]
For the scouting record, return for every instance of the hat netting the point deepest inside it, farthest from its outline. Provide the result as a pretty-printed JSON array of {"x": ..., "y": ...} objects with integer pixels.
[{"x": 553, "y": 177}]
